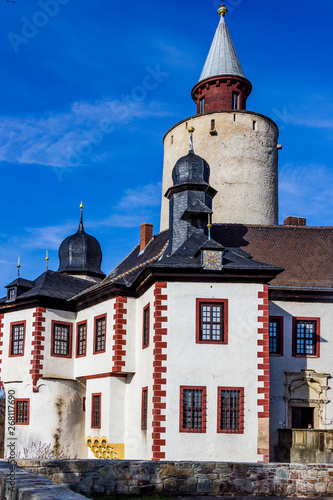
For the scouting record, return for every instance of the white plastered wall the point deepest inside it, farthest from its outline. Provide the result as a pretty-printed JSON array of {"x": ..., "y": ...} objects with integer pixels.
[
  {"x": 138, "y": 442},
  {"x": 56, "y": 410},
  {"x": 17, "y": 368},
  {"x": 93, "y": 364},
  {"x": 287, "y": 362},
  {"x": 232, "y": 365},
  {"x": 113, "y": 391}
]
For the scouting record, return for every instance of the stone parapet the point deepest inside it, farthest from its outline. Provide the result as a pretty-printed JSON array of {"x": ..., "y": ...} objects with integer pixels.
[
  {"x": 184, "y": 478},
  {"x": 17, "y": 483}
]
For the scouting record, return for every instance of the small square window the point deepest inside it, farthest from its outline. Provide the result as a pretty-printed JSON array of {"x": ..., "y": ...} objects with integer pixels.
[
  {"x": 276, "y": 335},
  {"x": 212, "y": 321},
  {"x": 306, "y": 337},
  {"x": 100, "y": 334},
  {"x": 22, "y": 407},
  {"x": 146, "y": 326},
  {"x": 230, "y": 410},
  {"x": 192, "y": 409},
  {"x": 96, "y": 411},
  {"x": 12, "y": 293}
]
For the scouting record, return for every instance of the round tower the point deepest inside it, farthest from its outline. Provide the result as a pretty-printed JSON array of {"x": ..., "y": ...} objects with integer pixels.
[{"x": 240, "y": 146}]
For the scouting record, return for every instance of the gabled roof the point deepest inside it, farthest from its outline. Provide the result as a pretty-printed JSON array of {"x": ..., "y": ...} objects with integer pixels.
[
  {"x": 222, "y": 58},
  {"x": 306, "y": 253}
]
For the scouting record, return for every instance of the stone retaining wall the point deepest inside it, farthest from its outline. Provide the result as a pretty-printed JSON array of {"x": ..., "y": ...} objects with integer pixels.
[
  {"x": 18, "y": 484},
  {"x": 186, "y": 478}
]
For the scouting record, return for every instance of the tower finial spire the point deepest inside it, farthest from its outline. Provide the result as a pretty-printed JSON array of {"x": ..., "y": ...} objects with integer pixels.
[
  {"x": 81, "y": 217},
  {"x": 191, "y": 130},
  {"x": 223, "y": 11},
  {"x": 18, "y": 267},
  {"x": 47, "y": 260}
]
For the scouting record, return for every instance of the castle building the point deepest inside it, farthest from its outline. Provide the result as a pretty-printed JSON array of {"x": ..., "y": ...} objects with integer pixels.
[{"x": 208, "y": 337}]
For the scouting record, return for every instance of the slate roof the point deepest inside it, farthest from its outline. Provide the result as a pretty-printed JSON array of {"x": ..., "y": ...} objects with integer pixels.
[
  {"x": 81, "y": 254},
  {"x": 187, "y": 257},
  {"x": 306, "y": 253},
  {"x": 55, "y": 285},
  {"x": 21, "y": 282},
  {"x": 222, "y": 58},
  {"x": 303, "y": 254},
  {"x": 301, "y": 257}
]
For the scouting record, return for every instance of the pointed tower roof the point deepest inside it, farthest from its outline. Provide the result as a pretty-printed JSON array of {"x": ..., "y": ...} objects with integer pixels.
[
  {"x": 222, "y": 58},
  {"x": 222, "y": 85}
]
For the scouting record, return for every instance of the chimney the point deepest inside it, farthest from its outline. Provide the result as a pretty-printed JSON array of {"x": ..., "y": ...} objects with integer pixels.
[
  {"x": 294, "y": 221},
  {"x": 146, "y": 235}
]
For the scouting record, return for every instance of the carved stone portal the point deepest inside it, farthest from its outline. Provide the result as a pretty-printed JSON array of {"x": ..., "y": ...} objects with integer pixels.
[{"x": 306, "y": 389}]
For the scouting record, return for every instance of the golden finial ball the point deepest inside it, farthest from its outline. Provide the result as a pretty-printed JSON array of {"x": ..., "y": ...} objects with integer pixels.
[
  {"x": 191, "y": 130},
  {"x": 222, "y": 10},
  {"x": 81, "y": 205}
]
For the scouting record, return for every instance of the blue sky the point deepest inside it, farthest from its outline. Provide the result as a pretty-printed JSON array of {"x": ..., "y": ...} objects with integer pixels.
[{"x": 89, "y": 88}]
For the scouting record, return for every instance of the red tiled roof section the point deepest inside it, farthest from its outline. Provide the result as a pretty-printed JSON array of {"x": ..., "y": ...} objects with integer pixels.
[{"x": 306, "y": 253}]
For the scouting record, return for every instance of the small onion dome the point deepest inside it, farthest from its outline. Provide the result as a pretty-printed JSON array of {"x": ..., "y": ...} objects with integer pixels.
[
  {"x": 81, "y": 254},
  {"x": 191, "y": 169}
]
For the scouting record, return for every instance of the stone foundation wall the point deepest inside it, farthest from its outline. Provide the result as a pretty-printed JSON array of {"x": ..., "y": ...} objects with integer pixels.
[
  {"x": 186, "y": 478},
  {"x": 18, "y": 484}
]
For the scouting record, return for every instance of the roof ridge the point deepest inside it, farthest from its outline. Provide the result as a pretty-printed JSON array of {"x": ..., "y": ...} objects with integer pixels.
[{"x": 142, "y": 264}]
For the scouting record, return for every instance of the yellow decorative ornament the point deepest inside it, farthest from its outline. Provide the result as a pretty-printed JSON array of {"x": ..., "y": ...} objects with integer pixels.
[
  {"x": 102, "y": 449},
  {"x": 222, "y": 10}
]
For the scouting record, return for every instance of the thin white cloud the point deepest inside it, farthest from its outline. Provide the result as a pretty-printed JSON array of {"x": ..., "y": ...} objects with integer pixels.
[
  {"x": 142, "y": 196},
  {"x": 306, "y": 188},
  {"x": 129, "y": 212},
  {"x": 49, "y": 237},
  {"x": 66, "y": 139},
  {"x": 315, "y": 115},
  {"x": 135, "y": 206}
]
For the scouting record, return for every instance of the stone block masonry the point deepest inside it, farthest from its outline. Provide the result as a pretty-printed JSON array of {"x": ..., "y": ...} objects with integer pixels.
[
  {"x": 17, "y": 484},
  {"x": 126, "y": 477}
]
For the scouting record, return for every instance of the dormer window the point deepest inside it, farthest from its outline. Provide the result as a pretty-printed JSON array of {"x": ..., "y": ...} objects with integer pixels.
[{"x": 12, "y": 293}]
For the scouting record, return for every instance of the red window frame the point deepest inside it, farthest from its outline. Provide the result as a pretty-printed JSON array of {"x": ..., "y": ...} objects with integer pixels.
[
  {"x": 146, "y": 326},
  {"x": 78, "y": 341},
  {"x": 316, "y": 342},
  {"x": 96, "y": 411},
  {"x": 144, "y": 408},
  {"x": 70, "y": 333},
  {"x": 224, "y": 320},
  {"x": 96, "y": 319},
  {"x": 239, "y": 411},
  {"x": 11, "y": 344},
  {"x": 203, "y": 410},
  {"x": 25, "y": 412},
  {"x": 280, "y": 320}
]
